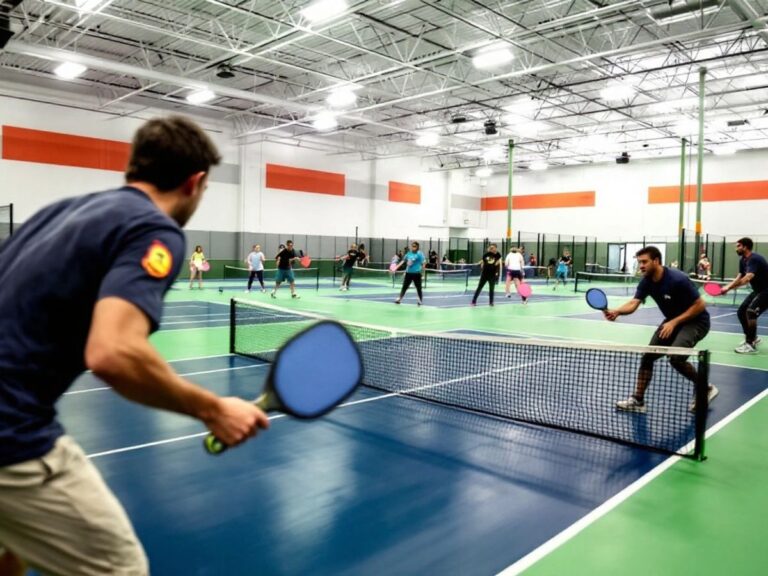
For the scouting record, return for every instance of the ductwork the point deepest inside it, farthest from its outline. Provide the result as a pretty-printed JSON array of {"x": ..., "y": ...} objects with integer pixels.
[
  {"x": 6, "y": 7},
  {"x": 684, "y": 7}
]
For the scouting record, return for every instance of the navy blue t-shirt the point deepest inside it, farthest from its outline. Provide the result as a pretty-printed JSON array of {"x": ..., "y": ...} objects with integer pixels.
[
  {"x": 759, "y": 267},
  {"x": 52, "y": 272},
  {"x": 673, "y": 294}
]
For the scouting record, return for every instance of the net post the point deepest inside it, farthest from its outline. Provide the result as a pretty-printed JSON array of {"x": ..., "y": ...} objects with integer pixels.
[
  {"x": 231, "y": 325},
  {"x": 317, "y": 278},
  {"x": 702, "y": 406}
]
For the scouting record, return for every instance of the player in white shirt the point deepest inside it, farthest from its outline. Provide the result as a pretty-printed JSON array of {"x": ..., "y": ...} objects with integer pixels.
[{"x": 515, "y": 264}]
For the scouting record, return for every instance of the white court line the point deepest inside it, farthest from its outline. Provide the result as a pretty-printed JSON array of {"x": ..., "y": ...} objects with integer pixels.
[
  {"x": 185, "y": 374},
  {"x": 723, "y": 315},
  {"x": 553, "y": 543},
  {"x": 163, "y": 324},
  {"x": 344, "y": 405}
]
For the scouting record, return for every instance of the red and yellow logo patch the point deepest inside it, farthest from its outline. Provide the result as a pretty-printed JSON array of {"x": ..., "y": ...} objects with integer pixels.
[{"x": 158, "y": 261}]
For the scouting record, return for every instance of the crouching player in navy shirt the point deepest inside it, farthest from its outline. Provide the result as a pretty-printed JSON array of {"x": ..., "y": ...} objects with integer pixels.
[
  {"x": 114, "y": 255},
  {"x": 686, "y": 321}
]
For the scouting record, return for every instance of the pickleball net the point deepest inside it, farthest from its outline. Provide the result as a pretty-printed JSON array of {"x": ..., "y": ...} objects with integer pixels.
[{"x": 563, "y": 385}]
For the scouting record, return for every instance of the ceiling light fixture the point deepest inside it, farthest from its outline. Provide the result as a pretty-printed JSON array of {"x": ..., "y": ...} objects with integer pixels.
[
  {"x": 324, "y": 121},
  {"x": 492, "y": 57},
  {"x": 483, "y": 172},
  {"x": 200, "y": 96},
  {"x": 225, "y": 71},
  {"x": 86, "y": 5},
  {"x": 617, "y": 91},
  {"x": 323, "y": 10},
  {"x": 341, "y": 98},
  {"x": 428, "y": 139},
  {"x": 69, "y": 70}
]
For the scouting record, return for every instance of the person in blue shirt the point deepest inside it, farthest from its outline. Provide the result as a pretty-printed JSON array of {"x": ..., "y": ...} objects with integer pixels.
[
  {"x": 414, "y": 263},
  {"x": 753, "y": 270},
  {"x": 114, "y": 255},
  {"x": 686, "y": 321}
]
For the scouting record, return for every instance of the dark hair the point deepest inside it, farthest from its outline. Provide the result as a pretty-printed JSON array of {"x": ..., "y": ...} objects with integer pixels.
[
  {"x": 746, "y": 242},
  {"x": 414, "y": 243},
  {"x": 167, "y": 151},
  {"x": 288, "y": 242},
  {"x": 651, "y": 251}
]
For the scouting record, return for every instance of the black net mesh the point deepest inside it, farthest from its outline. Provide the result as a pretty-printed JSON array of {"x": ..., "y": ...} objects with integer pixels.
[
  {"x": 560, "y": 385},
  {"x": 613, "y": 284}
]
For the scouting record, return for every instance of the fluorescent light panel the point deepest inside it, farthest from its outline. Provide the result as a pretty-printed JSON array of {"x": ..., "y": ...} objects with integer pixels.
[
  {"x": 86, "y": 5},
  {"x": 324, "y": 121},
  {"x": 200, "y": 96},
  {"x": 428, "y": 139},
  {"x": 341, "y": 97},
  {"x": 69, "y": 70},
  {"x": 483, "y": 172},
  {"x": 323, "y": 10},
  {"x": 492, "y": 57}
]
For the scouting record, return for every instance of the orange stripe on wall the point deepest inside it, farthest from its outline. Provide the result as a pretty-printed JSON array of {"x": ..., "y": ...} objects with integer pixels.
[
  {"x": 720, "y": 192},
  {"x": 303, "y": 180},
  {"x": 401, "y": 192},
  {"x": 536, "y": 201},
  {"x": 64, "y": 149}
]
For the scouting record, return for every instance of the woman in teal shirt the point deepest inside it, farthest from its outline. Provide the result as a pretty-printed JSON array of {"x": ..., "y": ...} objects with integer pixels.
[{"x": 414, "y": 261}]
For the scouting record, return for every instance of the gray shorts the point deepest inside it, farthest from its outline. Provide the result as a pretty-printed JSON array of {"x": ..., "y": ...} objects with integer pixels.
[
  {"x": 284, "y": 276},
  {"x": 58, "y": 515},
  {"x": 686, "y": 336}
]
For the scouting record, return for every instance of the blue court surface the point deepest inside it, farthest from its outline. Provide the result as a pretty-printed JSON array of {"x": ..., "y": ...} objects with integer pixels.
[
  {"x": 383, "y": 485},
  {"x": 456, "y": 299}
]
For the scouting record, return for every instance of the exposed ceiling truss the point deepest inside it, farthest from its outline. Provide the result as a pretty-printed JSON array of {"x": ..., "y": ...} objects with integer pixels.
[{"x": 410, "y": 65}]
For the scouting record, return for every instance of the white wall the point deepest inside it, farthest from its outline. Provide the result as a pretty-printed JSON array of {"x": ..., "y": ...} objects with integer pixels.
[
  {"x": 621, "y": 198},
  {"x": 450, "y": 200},
  {"x": 29, "y": 186}
]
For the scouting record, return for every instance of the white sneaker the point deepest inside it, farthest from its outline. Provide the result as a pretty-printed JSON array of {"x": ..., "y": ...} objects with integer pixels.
[
  {"x": 755, "y": 343},
  {"x": 631, "y": 404},
  {"x": 745, "y": 349},
  {"x": 263, "y": 290},
  {"x": 712, "y": 393},
  {"x": 247, "y": 291},
  {"x": 296, "y": 296}
]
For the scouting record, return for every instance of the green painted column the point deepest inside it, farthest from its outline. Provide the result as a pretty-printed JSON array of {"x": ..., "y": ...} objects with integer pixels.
[
  {"x": 700, "y": 164},
  {"x": 681, "y": 218},
  {"x": 511, "y": 148}
]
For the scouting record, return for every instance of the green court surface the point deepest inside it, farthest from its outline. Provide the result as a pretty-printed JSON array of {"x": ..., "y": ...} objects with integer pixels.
[{"x": 693, "y": 518}]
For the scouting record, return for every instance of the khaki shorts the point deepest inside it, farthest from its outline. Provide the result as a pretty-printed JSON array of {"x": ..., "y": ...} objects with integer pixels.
[{"x": 58, "y": 515}]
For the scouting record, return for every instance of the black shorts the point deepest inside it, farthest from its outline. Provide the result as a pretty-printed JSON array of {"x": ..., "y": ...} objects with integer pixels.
[
  {"x": 756, "y": 302},
  {"x": 512, "y": 274}
]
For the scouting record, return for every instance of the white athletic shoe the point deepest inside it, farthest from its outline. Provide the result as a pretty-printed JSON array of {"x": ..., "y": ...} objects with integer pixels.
[
  {"x": 263, "y": 290},
  {"x": 631, "y": 404},
  {"x": 712, "y": 393},
  {"x": 745, "y": 349},
  {"x": 295, "y": 296},
  {"x": 755, "y": 343}
]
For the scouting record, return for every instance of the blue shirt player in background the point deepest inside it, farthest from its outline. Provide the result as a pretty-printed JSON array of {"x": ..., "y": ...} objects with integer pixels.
[
  {"x": 753, "y": 270},
  {"x": 414, "y": 262},
  {"x": 114, "y": 253},
  {"x": 686, "y": 321}
]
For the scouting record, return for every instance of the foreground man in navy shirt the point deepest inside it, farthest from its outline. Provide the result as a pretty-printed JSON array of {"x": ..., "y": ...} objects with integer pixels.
[
  {"x": 686, "y": 321},
  {"x": 112, "y": 256}
]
